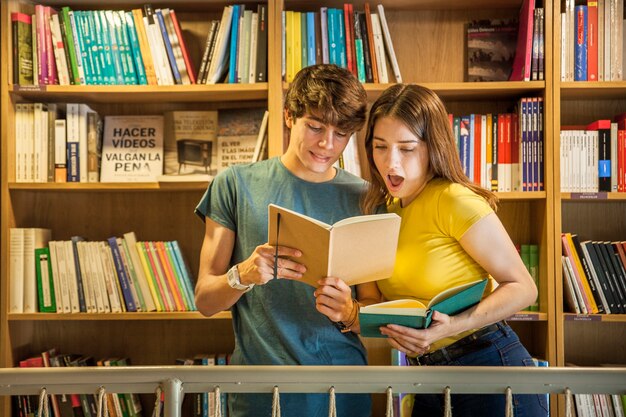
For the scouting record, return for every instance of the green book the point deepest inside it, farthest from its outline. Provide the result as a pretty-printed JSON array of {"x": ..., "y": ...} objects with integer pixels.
[
  {"x": 45, "y": 284},
  {"x": 534, "y": 271},
  {"x": 413, "y": 313}
]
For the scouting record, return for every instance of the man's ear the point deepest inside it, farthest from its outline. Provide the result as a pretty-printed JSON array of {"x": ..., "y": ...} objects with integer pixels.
[{"x": 288, "y": 119}]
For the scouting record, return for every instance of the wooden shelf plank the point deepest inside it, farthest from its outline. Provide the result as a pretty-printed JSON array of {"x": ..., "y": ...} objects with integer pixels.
[
  {"x": 188, "y": 315},
  {"x": 142, "y": 93},
  {"x": 609, "y": 318},
  {"x": 593, "y": 196}
]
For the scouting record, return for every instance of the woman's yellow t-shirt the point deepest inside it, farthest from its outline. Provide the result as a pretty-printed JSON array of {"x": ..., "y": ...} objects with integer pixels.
[{"x": 429, "y": 257}]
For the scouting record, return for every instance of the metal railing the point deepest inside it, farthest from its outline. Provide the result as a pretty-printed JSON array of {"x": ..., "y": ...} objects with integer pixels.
[{"x": 174, "y": 381}]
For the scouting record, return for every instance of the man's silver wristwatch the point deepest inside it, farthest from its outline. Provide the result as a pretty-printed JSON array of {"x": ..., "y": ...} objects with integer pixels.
[{"x": 233, "y": 280}]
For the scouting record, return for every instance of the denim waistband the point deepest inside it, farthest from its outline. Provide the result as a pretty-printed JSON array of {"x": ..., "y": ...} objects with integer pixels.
[{"x": 458, "y": 348}]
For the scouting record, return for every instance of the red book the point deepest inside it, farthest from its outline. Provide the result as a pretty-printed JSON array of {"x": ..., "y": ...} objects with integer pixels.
[
  {"x": 515, "y": 153},
  {"x": 349, "y": 31},
  {"x": 523, "y": 51},
  {"x": 592, "y": 41},
  {"x": 477, "y": 148},
  {"x": 621, "y": 160},
  {"x": 183, "y": 47}
]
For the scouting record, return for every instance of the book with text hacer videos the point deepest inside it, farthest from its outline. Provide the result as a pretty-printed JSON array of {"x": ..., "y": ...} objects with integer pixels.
[
  {"x": 413, "y": 313},
  {"x": 356, "y": 249}
]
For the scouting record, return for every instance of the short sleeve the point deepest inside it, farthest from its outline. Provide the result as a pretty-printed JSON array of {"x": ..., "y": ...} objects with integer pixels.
[
  {"x": 459, "y": 208},
  {"x": 219, "y": 200}
]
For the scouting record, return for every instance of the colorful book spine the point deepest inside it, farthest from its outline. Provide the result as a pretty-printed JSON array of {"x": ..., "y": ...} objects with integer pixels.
[
  {"x": 121, "y": 275},
  {"x": 580, "y": 46}
]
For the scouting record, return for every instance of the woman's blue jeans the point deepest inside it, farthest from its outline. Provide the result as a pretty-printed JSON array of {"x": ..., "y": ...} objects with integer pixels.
[{"x": 498, "y": 348}]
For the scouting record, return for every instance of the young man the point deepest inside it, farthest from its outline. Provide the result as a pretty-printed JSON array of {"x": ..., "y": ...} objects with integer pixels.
[{"x": 282, "y": 321}]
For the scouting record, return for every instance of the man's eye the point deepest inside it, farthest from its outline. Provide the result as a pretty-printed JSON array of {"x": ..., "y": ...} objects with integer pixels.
[{"x": 315, "y": 128}]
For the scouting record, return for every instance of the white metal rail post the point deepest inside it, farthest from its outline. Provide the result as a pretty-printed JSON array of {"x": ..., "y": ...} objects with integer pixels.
[{"x": 176, "y": 380}]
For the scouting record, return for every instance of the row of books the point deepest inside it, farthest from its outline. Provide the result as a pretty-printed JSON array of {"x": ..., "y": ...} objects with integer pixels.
[
  {"x": 592, "y": 41},
  {"x": 600, "y": 405},
  {"x": 204, "y": 404},
  {"x": 100, "y": 47},
  {"x": 594, "y": 275},
  {"x": 70, "y": 142},
  {"x": 75, "y": 405},
  {"x": 112, "y": 276},
  {"x": 503, "y": 152},
  {"x": 350, "y": 39},
  {"x": 593, "y": 157},
  {"x": 236, "y": 46}
]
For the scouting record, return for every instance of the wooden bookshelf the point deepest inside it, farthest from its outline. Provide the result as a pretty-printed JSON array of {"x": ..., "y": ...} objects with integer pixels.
[
  {"x": 594, "y": 339},
  {"x": 429, "y": 39}
]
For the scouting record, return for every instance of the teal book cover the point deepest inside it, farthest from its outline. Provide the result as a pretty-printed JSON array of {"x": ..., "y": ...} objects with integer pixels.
[{"x": 413, "y": 313}]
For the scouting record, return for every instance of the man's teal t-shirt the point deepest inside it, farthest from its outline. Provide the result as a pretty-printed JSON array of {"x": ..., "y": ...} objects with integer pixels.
[{"x": 277, "y": 323}]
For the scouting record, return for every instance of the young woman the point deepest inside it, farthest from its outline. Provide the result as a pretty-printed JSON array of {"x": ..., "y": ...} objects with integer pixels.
[{"x": 449, "y": 235}]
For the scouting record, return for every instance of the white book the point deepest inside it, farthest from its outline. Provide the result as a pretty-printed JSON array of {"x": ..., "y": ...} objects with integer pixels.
[
  {"x": 56, "y": 276},
  {"x": 83, "y": 109},
  {"x": 220, "y": 52},
  {"x": 483, "y": 151},
  {"x": 60, "y": 157},
  {"x": 607, "y": 38},
  {"x": 254, "y": 27},
  {"x": 72, "y": 141},
  {"x": 73, "y": 277},
  {"x": 568, "y": 285},
  {"x": 243, "y": 60},
  {"x": 131, "y": 247},
  {"x": 389, "y": 44},
  {"x": 64, "y": 277},
  {"x": 577, "y": 290},
  {"x": 108, "y": 270},
  {"x": 16, "y": 270},
  {"x": 564, "y": 44},
  {"x": 34, "y": 238},
  {"x": 257, "y": 156},
  {"x": 97, "y": 277},
  {"x": 617, "y": 405},
  {"x": 20, "y": 151},
  {"x": 29, "y": 142},
  {"x": 59, "y": 50},
  {"x": 379, "y": 48},
  {"x": 38, "y": 133}
]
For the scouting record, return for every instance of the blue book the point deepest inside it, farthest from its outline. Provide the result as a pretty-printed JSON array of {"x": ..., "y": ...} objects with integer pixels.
[
  {"x": 310, "y": 38},
  {"x": 128, "y": 67},
  {"x": 82, "y": 304},
  {"x": 120, "y": 271},
  {"x": 535, "y": 144},
  {"x": 168, "y": 46},
  {"x": 464, "y": 144},
  {"x": 413, "y": 313},
  {"x": 76, "y": 19},
  {"x": 525, "y": 148},
  {"x": 135, "y": 49},
  {"x": 73, "y": 166},
  {"x": 580, "y": 44},
  {"x": 101, "y": 65},
  {"x": 173, "y": 249},
  {"x": 341, "y": 39},
  {"x": 333, "y": 50},
  {"x": 540, "y": 172},
  {"x": 234, "y": 39},
  {"x": 472, "y": 146},
  {"x": 114, "y": 57}
]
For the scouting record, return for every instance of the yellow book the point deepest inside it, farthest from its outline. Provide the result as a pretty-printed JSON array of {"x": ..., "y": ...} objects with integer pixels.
[
  {"x": 144, "y": 47},
  {"x": 154, "y": 291},
  {"x": 581, "y": 273}
]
